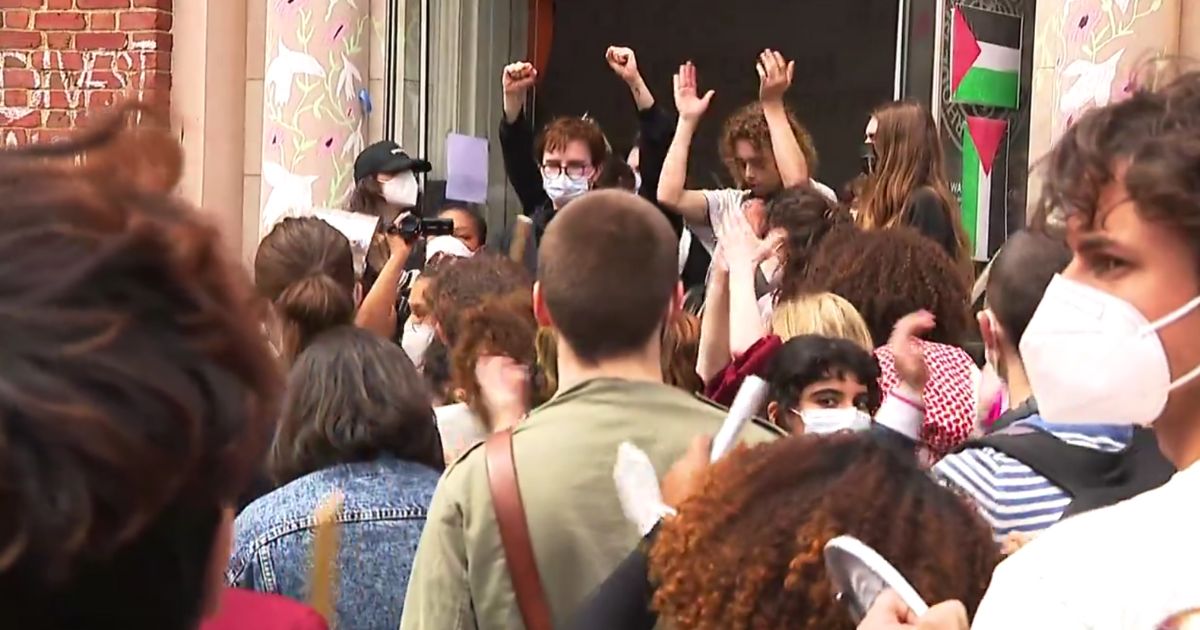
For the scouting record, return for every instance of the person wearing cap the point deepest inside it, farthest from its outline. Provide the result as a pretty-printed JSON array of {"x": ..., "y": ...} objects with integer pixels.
[{"x": 385, "y": 180}]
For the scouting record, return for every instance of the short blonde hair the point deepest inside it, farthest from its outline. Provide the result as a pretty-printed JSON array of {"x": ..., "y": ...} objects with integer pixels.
[{"x": 822, "y": 314}]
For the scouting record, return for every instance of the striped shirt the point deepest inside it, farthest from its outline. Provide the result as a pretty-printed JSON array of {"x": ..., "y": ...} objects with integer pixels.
[{"x": 1012, "y": 497}]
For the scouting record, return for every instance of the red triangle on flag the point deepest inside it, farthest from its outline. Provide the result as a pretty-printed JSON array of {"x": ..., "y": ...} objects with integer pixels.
[
  {"x": 987, "y": 133},
  {"x": 964, "y": 50}
]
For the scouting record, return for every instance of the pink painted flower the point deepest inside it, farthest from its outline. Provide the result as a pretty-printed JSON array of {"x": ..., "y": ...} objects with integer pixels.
[
  {"x": 328, "y": 145},
  {"x": 274, "y": 136},
  {"x": 289, "y": 8},
  {"x": 1081, "y": 22}
]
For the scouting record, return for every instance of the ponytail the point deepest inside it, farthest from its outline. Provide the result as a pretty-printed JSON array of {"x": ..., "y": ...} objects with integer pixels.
[{"x": 309, "y": 307}]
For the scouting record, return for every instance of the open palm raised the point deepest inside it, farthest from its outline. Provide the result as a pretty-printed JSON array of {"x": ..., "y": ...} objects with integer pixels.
[{"x": 690, "y": 105}]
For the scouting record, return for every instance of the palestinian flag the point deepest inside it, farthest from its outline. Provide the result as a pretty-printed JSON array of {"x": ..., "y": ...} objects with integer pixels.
[
  {"x": 985, "y": 58},
  {"x": 982, "y": 138}
]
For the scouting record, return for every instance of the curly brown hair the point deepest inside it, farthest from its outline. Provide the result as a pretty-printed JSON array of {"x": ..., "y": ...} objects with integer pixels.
[
  {"x": 750, "y": 124},
  {"x": 746, "y": 551},
  {"x": 1157, "y": 134},
  {"x": 137, "y": 388},
  {"x": 501, "y": 325},
  {"x": 466, "y": 282},
  {"x": 887, "y": 274}
]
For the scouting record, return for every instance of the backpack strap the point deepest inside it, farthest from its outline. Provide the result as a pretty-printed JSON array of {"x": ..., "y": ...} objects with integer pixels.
[
  {"x": 514, "y": 532},
  {"x": 1092, "y": 477}
]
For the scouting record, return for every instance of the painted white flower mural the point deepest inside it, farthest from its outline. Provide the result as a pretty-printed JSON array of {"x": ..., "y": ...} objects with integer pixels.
[
  {"x": 283, "y": 69},
  {"x": 348, "y": 78},
  {"x": 1092, "y": 83},
  {"x": 290, "y": 193}
]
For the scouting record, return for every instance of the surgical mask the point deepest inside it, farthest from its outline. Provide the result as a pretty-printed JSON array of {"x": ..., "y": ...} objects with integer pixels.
[
  {"x": 416, "y": 340},
  {"x": 637, "y": 182},
  {"x": 869, "y": 158},
  {"x": 562, "y": 189},
  {"x": 401, "y": 190},
  {"x": 1092, "y": 357},
  {"x": 823, "y": 421}
]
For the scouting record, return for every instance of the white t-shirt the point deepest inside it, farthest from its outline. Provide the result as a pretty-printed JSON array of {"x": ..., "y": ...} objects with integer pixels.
[
  {"x": 1124, "y": 567},
  {"x": 731, "y": 199}
]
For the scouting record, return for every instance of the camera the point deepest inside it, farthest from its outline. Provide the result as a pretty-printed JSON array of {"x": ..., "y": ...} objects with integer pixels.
[{"x": 411, "y": 227}]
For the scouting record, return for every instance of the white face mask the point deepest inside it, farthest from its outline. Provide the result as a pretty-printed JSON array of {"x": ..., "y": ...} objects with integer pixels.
[
  {"x": 637, "y": 182},
  {"x": 1092, "y": 357},
  {"x": 402, "y": 190},
  {"x": 562, "y": 189},
  {"x": 416, "y": 340},
  {"x": 823, "y": 421}
]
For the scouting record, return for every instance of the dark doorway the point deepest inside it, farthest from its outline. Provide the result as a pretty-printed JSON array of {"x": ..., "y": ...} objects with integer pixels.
[{"x": 844, "y": 52}]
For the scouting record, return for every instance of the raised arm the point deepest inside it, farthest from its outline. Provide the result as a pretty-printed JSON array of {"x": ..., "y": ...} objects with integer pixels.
[
  {"x": 377, "y": 312},
  {"x": 623, "y": 62},
  {"x": 775, "y": 77},
  {"x": 655, "y": 127},
  {"x": 671, "y": 192},
  {"x": 516, "y": 138},
  {"x": 714, "y": 354}
]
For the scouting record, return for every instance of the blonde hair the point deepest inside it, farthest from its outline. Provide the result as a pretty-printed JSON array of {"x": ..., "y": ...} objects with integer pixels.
[
  {"x": 546, "y": 347},
  {"x": 824, "y": 314}
]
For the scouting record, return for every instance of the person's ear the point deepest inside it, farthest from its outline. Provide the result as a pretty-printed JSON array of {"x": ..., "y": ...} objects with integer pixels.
[
  {"x": 540, "y": 311},
  {"x": 358, "y": 294},
  {"x": 773, "y": 412},
  {"x": 989, "y": 332}
]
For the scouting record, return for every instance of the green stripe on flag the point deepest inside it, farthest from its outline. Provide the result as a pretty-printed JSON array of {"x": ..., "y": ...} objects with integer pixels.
[
  {"x": 970, "y": 186},
  {"x": 982, "y": 86}
]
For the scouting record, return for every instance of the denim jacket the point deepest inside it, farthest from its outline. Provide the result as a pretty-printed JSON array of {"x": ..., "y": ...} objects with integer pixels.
[{"x": 386, "y": 502}]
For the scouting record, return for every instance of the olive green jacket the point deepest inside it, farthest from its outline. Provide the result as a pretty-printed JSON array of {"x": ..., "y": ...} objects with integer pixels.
[{"x": 564, "y": 452}]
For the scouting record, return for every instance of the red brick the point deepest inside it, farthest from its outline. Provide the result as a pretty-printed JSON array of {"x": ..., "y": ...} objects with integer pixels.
[
  {"x": 52, "y": 135},
  {"x": 32, "y": 120},
  {"x": 11, "y": 135},
  {"x": 18, "y": 60},
  {"x": 165, "y": 5},
  {"x": 100, "y": 41},
  {"x": 102, "y": 4},
  {"x": 101, "y": 98},
  {"x": 19, "y": 40},
  {"x": 60, "y": 4},
  {"x": 144, "y": 21},
  {"x": 58, "y": 119},
  {"x": 16, "y": 98},
  {"x": 162, "y": 41},
  {"x": 19, "y": 79},
  {"x": 106, "y": 77},
  {"x": 57, "y": 60},
  {"x": 102, "y": 21},
  {"x": 16, "y": 18},
  {"x": 59, "y": 21},
  {"x": 59, "y": 41},
  {"x": 20, "y": 4}
]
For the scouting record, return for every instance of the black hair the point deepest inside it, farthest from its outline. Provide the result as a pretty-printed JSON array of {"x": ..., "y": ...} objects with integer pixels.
[
  {"x": 353, "y": 396},
  {"x": 807, "y": 359},
  {"x": 616, "y": 174},
  {"x": 1019, "y": 277},
  {"x": 472, "y": 211}
]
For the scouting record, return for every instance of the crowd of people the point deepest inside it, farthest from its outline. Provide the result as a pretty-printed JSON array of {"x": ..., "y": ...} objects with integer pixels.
[{"x": 445, "y": 428}]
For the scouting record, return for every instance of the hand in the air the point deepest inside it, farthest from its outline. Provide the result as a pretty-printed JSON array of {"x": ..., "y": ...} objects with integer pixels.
[
  {"x": 909, "y": 356},
  {"x": 623, "y": 61},
  {"x": 504, "y": 387},
  {"x": 741, "y": 246},
  {"x": 690, "y": 105},
  {"x": 774, "y": 76},
  {"x": 518, "y": 77}
]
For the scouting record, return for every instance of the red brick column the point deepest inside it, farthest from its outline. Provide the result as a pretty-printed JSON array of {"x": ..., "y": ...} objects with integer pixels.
[{"x": 64, "y": 58}]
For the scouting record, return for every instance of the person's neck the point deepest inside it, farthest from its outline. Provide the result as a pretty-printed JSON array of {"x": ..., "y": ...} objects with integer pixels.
[
  {"x": 643, "y": 365},
  {"x": 1017, "y": 384}
]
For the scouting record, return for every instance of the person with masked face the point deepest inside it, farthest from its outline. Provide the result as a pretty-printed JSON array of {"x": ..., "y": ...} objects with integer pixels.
[
  {"x": 1115, "y": 338},
  {"x": 906, "y": 181},
  {"x": 385, "y": 181},
  {"x": 822, "y": 385},
  {"x": 419, "y": 330},
  {"x": 1032, "y": 473},
  {"x": 558, "y": 166}
]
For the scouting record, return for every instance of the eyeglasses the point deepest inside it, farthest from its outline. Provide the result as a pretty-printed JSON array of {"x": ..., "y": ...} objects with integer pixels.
[{"x": 574, "y": 170}]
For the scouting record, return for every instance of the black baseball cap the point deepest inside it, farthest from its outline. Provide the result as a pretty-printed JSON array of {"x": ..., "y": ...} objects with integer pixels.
[{"x": 386, "y": 157}]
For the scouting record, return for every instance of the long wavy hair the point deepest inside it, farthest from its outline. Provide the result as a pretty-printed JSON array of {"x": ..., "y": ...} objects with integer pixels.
[{"x": 910, "y": 157}]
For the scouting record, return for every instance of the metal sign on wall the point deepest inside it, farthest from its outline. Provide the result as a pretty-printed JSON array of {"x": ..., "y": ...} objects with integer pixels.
[{"x": 978, "y": 53}]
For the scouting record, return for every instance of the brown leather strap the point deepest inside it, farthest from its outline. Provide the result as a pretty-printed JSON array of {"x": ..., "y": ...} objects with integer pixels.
[{"x": 514, "y": 532}]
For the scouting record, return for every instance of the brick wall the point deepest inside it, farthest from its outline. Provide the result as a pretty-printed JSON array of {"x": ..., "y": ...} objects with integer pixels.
[{"x": 64, "y": 58}]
